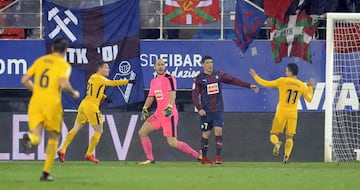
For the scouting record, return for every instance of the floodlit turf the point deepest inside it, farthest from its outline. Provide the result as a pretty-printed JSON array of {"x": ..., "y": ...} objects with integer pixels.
[{"x": 182, "y": 176}]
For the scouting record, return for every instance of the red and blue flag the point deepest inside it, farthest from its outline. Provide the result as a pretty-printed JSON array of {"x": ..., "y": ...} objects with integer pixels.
[{"x": 248, "y": 22}]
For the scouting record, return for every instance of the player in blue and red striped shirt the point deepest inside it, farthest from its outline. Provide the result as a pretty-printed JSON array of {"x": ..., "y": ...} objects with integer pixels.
[{"x": 208, "y": 99}]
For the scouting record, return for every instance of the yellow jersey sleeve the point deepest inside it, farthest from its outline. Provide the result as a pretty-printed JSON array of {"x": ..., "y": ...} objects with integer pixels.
[
  {"x": 96, "y": 87},
  {"x": 32, "y": 69},
  {"x": 266, "y": 83},
  {"x": 65, "y": 72},
  {"x": 308, "y": 93},
  {"x": 115, "y": 82}
]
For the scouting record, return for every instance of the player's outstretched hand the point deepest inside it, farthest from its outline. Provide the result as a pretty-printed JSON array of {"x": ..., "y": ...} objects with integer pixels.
[
  {"x": 132, "y": 81},
  {"x": 252, "y": 72},
  {"x": 202, "y": 112},
  {"x": 254, "y": 88},
  {"x": 144, "y": 114},
  {"x": 75, "y": 94},
  {"x": 311, "y": 82}
]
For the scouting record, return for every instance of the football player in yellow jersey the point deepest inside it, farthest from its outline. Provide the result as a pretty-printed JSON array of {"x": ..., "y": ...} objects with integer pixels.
[
  {"x": 51, "y": 75},
  {"x": 89, "y": 110},
  {"x": 290, "y": 90}
]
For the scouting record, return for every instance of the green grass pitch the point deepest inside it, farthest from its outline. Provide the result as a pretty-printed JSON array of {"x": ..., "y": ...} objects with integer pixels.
[{"x": 76, "y": 175}]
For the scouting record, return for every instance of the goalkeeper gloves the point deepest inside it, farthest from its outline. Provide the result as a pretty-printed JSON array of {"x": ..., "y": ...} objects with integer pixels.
[
  {"x": 167, "y": 111},
  {"x": 132, "y": 81},
  {"x": 144, "y": 114}
]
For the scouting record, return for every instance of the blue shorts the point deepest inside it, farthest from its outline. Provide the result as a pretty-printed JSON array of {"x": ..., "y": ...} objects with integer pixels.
[{"x": 211, "y": 119}]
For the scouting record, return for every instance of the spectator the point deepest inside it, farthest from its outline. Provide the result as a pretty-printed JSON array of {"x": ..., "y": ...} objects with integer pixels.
[
  {"x": 32, "y": 19},
  {"x": 11, "y": 22},
  {"x": 151, "y": 19},
  {"x": 10, "y": 32}
]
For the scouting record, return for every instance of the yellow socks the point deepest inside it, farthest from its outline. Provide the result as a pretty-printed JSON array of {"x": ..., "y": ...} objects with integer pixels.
[
  {"x": 69, "y": 137},
  {"x": 274, "y": 139},
  {"x": 51, "y": 148},
  {"x": 288, "y": 147},
  {"x": 93, "y": 142},
  {"x": 35, "y": 140}
]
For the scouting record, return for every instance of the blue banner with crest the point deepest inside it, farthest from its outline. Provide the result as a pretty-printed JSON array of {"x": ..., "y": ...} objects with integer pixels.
[{"x": 109, "y": 33}]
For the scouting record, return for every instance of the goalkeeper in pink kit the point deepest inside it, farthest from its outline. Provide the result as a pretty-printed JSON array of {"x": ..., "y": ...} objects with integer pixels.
[{"x": 163, "y": 90}]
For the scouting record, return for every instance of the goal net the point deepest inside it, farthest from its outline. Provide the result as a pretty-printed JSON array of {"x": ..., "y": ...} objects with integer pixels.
[{"x": 342, "y": 115}]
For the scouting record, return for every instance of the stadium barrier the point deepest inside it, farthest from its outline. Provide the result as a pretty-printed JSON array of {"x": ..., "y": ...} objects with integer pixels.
[{"x": 246, "y": 138}]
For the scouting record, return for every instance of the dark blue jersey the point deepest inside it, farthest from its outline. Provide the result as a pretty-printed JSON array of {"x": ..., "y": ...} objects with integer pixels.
[{"x": 207, "y": 94}]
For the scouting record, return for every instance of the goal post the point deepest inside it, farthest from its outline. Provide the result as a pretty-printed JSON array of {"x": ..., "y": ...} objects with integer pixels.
[{"x": 342, "y": 115}]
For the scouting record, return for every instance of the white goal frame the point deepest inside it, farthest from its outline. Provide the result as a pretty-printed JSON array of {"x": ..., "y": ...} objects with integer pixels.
[{"x": 329, "y": 100}]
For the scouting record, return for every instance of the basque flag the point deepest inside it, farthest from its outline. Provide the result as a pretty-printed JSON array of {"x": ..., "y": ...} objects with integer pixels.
[
  {"x": 248, "y": 22},
  {"x": 109, "y": 33},
  {"x": 192, "y": 12},
  {"x": 292, "y": 36}
]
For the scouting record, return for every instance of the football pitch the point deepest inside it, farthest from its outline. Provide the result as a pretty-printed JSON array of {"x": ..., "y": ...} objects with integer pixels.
[{"x": 182, "y": 175}]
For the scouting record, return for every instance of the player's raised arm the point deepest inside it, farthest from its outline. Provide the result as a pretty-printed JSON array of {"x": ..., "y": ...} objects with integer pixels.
[
  {"x": 226, "y": 78},
  {"x": 309, "y": 94},
  {"x": 116, "y": 82},
  {"x": 311, "y": 82},
  {"x": 262, "y": 82}
]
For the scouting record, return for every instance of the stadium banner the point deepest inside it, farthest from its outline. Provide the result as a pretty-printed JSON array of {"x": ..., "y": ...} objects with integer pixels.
[
  {"x": 109, "y": 33},
  {"x": 184, "y": 61},
  {"x": 16, "y": 56},
  {"x": 120, "y": 141}
]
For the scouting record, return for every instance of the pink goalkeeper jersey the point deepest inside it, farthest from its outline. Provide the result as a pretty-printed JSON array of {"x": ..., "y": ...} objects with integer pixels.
[{"x": 160, "y": 88}]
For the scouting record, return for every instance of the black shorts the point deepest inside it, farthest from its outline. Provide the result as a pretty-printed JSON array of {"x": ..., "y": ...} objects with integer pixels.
[{"x": 211, "y": 119}]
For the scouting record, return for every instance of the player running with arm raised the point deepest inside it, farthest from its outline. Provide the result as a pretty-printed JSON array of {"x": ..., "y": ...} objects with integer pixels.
[
  {"x": 89, "y": 110},
  {"x": 290, "y": 90}
]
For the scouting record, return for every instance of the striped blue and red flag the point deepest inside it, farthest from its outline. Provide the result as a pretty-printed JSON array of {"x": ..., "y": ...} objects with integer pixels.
[{"x": 248, "y": 22}]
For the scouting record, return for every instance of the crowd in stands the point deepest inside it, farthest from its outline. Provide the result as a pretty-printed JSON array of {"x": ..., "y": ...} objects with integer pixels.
[
  {"x": 13, "y": 21},
  {"x": 21, "y": 19}
]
